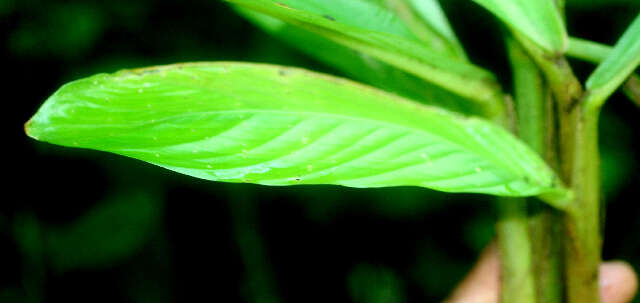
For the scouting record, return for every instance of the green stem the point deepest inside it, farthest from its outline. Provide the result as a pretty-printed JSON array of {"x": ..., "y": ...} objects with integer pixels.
[
  {"x": 259, "y": 284},
  {"x": 535, "y": 124},
  {"x": 579, "y": 167},
  {"x": 546, "y": 222},
  {"x": 583, "y": 242},
  {"x": 517, "y": 280},
  {"x": 546, "y": 251},
  {"x": 587, "y": 50},
  {"x": 29, "y": 234}
]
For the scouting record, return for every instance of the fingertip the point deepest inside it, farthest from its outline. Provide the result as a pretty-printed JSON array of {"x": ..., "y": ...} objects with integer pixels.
[{"x": 618, "y": 282}]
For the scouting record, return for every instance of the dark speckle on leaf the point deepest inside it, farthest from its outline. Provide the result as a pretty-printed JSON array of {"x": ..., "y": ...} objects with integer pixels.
[
  {"x": 329, "y": 17},
  {"x": 284, "y": 72}
]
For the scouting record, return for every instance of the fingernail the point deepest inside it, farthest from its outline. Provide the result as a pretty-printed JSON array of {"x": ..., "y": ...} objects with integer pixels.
[{"x": 618, "y": 282}]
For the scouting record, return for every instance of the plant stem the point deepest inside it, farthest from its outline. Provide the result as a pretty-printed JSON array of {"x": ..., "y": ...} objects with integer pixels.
[
  {"x": 579, "y": 166},
  {"x": 259, "y": 285},
  {"x": 545, "y": 223},
  {"x": 546, "y": 251},
  {"x": 537, "y": 129},
  {"x": 517, "y": 280},
  {"x": 587, "y": 50},
  {"x": 582, "y": 221}
]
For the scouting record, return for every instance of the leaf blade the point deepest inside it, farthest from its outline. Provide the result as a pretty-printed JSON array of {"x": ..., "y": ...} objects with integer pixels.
[
  {"x": 538, "y": 20},
  {"x": 282, "y": 126},
  {"x": 360, "y": 66},
  {"x": 462, "y": 78},
  {"x": 428, "y": 22},
  {"x": 623, "y": 59},
  {"x": 431, "y": 12}
]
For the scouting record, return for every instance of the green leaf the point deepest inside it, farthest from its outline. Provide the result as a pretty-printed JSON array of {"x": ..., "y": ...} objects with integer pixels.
[
  {"x": 360, "y": 66},
  {"x": 406, "y": 54},
  {"x": 110, "y": 232},
  {"x": 538, "y": 20},
  {"x": 272, "y": 125},
  {"x": 431, "y": 12},
  {"x": 427, "y": 21},
  {"x": 620, "y": 63},
  {"x": 595, "y": 53},
  {"x": 355, "y": 13}
]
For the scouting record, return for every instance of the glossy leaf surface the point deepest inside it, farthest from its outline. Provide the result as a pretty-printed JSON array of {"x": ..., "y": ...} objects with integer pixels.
[
  {"x": 538, "y": 20},
  {"x": 409, "y": 55},
  {"x": 281, "y": 126}
]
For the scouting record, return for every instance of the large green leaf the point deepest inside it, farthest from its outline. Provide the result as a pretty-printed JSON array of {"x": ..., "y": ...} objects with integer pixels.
[
  {"x": 620, "y": 63},
  {"x": 538, "y": 20},
  {"x": 272, "y": 125},
  {"x": 361, "y": 67},
  {"x": 406, "y": 54}
]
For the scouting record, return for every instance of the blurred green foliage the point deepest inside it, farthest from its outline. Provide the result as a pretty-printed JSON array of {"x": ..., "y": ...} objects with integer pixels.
[
  {"x": 130, "y": 232},
  {"x": 600, "y": 3},
  {"x": 59, "y": 35},
  {"x": 112, "y": 230},
  {"x": 371, "y": 284}
]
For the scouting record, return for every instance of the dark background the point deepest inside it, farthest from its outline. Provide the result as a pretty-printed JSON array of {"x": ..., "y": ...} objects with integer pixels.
[{"x": 84, "y": 226}]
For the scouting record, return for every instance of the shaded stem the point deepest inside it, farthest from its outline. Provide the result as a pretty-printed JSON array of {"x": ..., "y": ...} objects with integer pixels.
[
  {"x": 546, "y": 251},
  {"x": 579, "y": 167},
  {"x": 517, "y": 280},
  {"x": 537, "y": 129},
  {"x": 545, "y": 223},
  {"x": 244, "y": 214},
  {"x": 583, "y": 242}
]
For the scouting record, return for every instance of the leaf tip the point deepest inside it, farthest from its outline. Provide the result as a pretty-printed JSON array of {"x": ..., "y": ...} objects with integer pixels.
[{"x": 28, "y": 129}]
